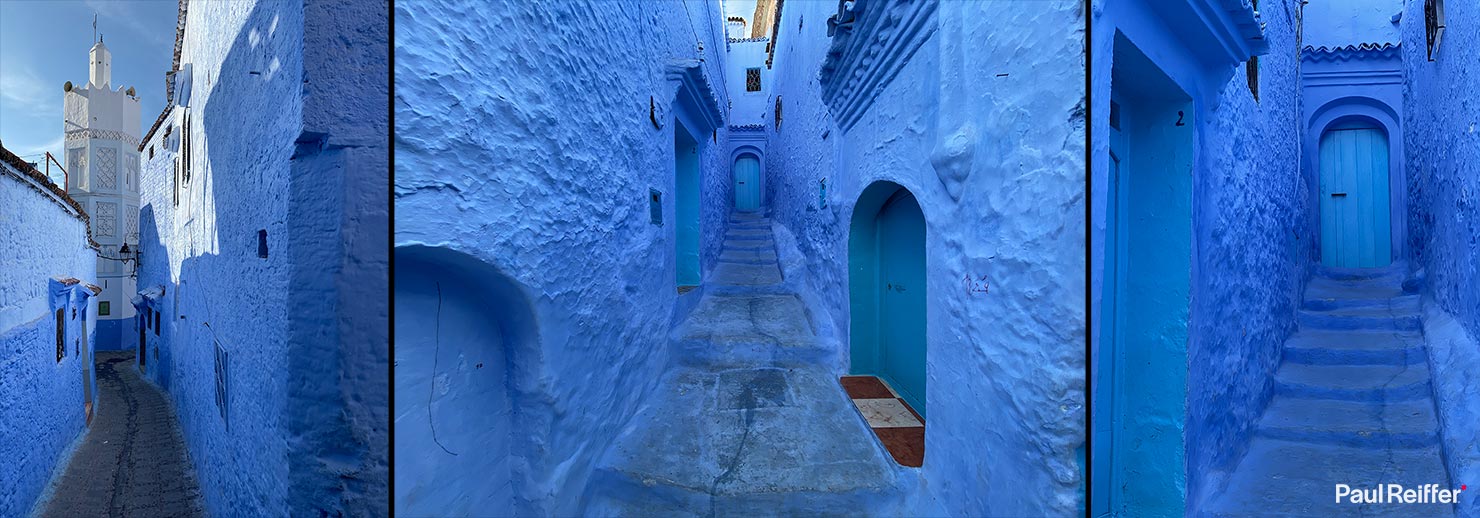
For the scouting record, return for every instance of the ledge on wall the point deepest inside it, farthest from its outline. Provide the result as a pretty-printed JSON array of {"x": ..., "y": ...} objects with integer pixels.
[
  {"x": 695, "y": 94},
  {"x": 871, "y": 41},
  {"x": 1350, "y": 52}
]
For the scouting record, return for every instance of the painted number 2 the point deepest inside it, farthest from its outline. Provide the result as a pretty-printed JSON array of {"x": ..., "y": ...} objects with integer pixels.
[{"x": 973, "y": 286}]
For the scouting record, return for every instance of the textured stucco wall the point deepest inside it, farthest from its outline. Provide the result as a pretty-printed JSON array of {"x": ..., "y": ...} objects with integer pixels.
[
  {"x": 523, "y": 139},
  {"x": 279, "y": 143},
  {"x": 1442, "y": 145},
  {"x": 204, "y": 251},
  {"x": 41, "y": 399},
  {"x": 747, "y": 107},
  {"x": 1251, "y": 227},
  {"x": 1334, "y": 23},
  {"x": 1006, "y": 401}
]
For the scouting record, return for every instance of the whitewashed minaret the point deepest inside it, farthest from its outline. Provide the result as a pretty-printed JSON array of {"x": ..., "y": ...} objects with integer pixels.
[{"x": 102, "y": 155}]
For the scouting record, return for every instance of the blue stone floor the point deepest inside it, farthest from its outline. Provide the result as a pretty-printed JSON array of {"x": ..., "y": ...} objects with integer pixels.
[
  {"x": 132, "y": 461},
  {"x": 748, "y": 420},
  {"x": 1352, "y": 405}
]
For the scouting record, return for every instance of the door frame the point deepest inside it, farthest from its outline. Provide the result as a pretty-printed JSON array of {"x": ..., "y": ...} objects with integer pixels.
[
  {"x": 747, "y": 149},
  {"x": 865, "y": 350},
  {"x": 1345, "y": 112}
]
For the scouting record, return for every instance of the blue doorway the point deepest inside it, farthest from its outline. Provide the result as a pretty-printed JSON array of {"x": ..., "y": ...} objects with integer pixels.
[
  {"x": 886, "y": 256},
  {"x": 747, "y": 177},
  {"x": 686, "y": 205},
  {"x": 1140, "y": 361},
  {"x": 1355, "y": 212}
]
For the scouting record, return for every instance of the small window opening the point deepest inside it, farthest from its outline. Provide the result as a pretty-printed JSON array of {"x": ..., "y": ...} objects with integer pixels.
[
  {"x": 753, "y": 79},
  {"x": 778, "y": 113},
  {"x": 156, "y": 323},
  {"x": 1433, "y": 22},
  {"x": 1252, "y": 69},
  {"x": 104, "y": 308},
  {"x": 61, "y": 334},
  {"x": 221, "y": 383},
  {"x": 655, "y": 207},
  {"x": 262, "y": 243}
]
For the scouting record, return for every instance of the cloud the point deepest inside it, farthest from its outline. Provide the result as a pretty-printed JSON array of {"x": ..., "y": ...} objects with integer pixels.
[{"x": 22, "y": 91}]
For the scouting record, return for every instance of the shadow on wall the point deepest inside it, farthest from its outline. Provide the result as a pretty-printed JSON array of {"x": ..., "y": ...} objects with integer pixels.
[
  {"x": 159, "y": 367},
  {"x": 465, "y": 335}
]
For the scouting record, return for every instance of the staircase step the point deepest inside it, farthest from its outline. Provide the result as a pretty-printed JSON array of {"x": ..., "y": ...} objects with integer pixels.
[
  {"x": 1355, "y": 348},
  {"x": 734, "y": 274},
  {"x": 749, "y": 244},
  {"x": 753, "y": 233},
  {"x": 744, "y": 442},
  {"x": 1353, "y": 382},
  {"x": 1279, "y": 478},
  {"x": 749, "y": 256},
  {"x": 740, "y": 217},
  {"x": 1405, "y": 303},
  {"x": 1377, "y": 288},
  {"x": 771, "y": 320},
  {"x": 1358, "y": 319},
  {"x": 1405, "y": 424}
]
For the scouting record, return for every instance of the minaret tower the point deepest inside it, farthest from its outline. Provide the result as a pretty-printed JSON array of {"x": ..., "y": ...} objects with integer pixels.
[{"x": 102, "y": 154}]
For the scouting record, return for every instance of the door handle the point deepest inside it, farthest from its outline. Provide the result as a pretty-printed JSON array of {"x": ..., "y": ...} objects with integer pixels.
[
  {"x": 742, "y": 183},
  {"x": 1338, "y": 195}
]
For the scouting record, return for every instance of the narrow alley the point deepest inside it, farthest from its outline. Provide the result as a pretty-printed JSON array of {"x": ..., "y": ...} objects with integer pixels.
[
  {"x": 740, "y": 258},
  {"x": 132, "y": 462}
]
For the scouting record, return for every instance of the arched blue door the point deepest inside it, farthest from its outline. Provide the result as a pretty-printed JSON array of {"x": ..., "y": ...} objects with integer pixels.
[
  {"x": 747, "y": 177},
  {"x": 1354, "y": 199},
  {"x": 886, "y": 284},
  {"x": 901, "y": 231}
]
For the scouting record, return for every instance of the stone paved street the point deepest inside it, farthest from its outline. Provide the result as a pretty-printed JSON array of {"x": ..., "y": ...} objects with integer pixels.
[{"x": 132, "y": 462}]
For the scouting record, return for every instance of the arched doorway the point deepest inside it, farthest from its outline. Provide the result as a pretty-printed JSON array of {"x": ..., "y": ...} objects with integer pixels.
[
  {"x": 747, "y": 177},
  {"x": 1354, "y": 196},
  {"x": 460, "y": 324},
  {"x": 886, "y": 267}
]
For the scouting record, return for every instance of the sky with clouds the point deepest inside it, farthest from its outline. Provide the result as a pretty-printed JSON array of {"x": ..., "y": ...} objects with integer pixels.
[{"x": 44, "y": 43}]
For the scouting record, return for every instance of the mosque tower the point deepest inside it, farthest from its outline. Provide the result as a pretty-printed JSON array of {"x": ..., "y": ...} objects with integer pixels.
[{"x": 101, "y": 126}]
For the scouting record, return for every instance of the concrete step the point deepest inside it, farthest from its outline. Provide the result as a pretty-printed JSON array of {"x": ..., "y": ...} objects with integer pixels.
[
  {"x": 1353, "y": 382},
  {"x": 749, "y": 244},
  {"x": 1375, "y": 288},
  {"x": 750, "y": 224},
  {"x": 1374, "y": 319},
  {"x": 1278, "y": 478},
  {"x": 742, "y": 217},
  {"x": 1397, "y": 304},
  {"x": 736, "y": 274},
  {"x": 745, "y": 442},
  {"x": 764, "y": 320},
  {"x": 763, "y": 234},
  {"x": 1394, "y": 272},
  {"x": 751, "y": 256},
  {"x": 1402, "y": 424},
  {"x": 1355, "y": 348}
]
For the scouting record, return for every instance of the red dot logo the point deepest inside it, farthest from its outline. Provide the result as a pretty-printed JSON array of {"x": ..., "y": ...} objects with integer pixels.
[{"x": 1462, "y": 487}]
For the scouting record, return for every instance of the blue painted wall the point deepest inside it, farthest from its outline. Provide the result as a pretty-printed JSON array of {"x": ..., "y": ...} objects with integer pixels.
[
  {"x": 525, "y": 141},
  {"x": 1251, "y": 241},
  {"x": 969, "y": 112},
  {"x": 279, "y": 143},
  {"x": 41, "y": 399},
  {"x": 1443, "y": 194}
]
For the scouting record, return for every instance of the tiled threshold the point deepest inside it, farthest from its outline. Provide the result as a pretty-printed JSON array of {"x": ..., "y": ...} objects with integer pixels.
[{"x": 898, "y": 426}]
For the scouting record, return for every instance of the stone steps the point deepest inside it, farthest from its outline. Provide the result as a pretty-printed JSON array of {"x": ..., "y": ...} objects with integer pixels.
[
  {"x": 1352, "y": 405},
  {"x": 745, "y": 442},
  {"x": 1279, "y": 478},
  {"x": 1405, "y": 424},
  {"x": 1355, "y": 348},
  {"x": 1353, "y": 382}
]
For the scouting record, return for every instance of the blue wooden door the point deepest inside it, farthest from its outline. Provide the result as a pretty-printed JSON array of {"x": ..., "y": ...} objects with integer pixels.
[
  {"x": 747, "y": 175},
  {"x": 1354, "y": 199},
  {"x": 901, "y": 232}
]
